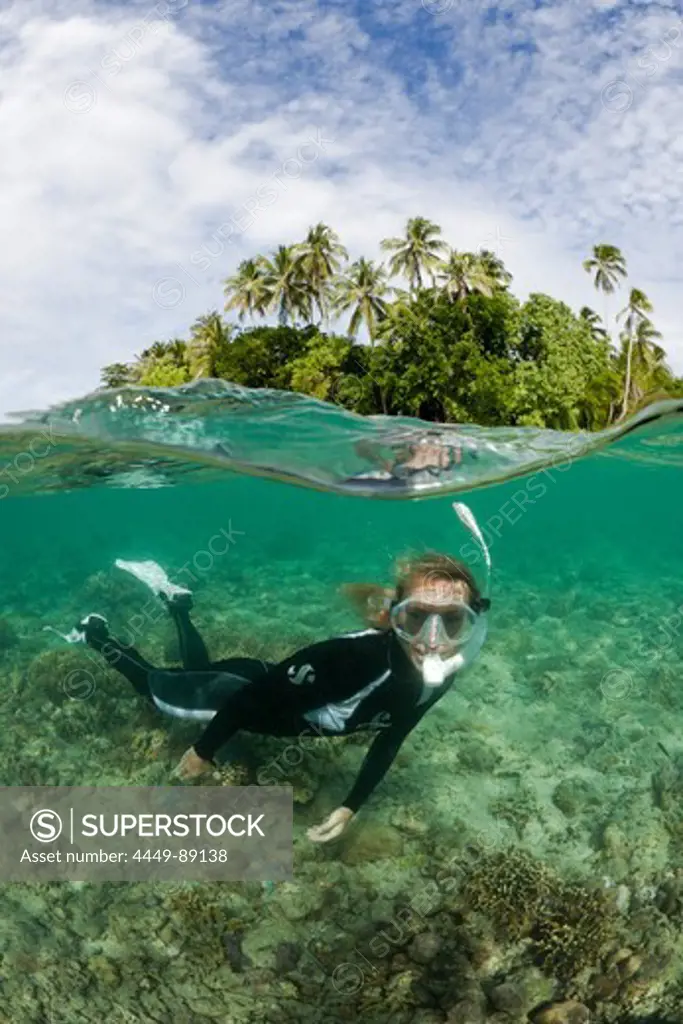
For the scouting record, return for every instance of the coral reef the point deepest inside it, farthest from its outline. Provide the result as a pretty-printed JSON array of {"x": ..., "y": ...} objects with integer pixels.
[
  {"x": 511, "y": 887},
  {"x": 573, "y": 929},
  {"x": 569, "y": 924}
]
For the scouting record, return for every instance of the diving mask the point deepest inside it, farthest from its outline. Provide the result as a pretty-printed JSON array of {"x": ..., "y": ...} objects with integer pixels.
[{"x": 446, "y": 625}]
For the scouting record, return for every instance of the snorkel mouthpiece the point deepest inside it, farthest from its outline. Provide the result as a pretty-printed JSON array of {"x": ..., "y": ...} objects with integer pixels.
[
  {"x": 433, "y": 670},
  {"x": 436, "y": 669}
]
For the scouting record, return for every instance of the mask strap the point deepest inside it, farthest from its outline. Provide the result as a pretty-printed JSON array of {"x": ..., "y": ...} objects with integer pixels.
[{"x": 466, "y": 517}]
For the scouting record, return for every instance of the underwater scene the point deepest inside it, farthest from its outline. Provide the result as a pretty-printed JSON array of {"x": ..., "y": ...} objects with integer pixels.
[{"x": 522, "y": 857}]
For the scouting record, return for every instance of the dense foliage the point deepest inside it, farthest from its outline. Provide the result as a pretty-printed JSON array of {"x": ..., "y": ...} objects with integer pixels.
[{"x": 456, "y": 345}]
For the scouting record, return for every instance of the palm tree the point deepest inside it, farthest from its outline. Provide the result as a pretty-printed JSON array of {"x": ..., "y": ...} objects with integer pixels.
[
  {"x": 417, "y": 253},
  {"x": 158, "y": 349},
  {"x": 646, "y": 352},
  {"x": 246, "y": 291},
  {"x": 173, "y": 351},
  {"x": 362, "y": 289},
  {"x": 463, "y": 273},
  {"x": 495, "y": 268},
  {"x": 286, "y": 288},
  {"x": 161, "y": 358},
  {"x": 594, "y": 321},
  {"x": 320, "y": 256},
  {"x": 648, "y": 358},
  {"x": 633, "y": 315},
  {"x": 602, "y": 396},
  {"x": 609, "y": 266},
  {"x": 208, "y": 337}
]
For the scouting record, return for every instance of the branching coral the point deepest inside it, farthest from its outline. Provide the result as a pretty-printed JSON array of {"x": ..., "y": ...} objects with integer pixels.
[
  {"x": 569, "y": 924},
  {"x": 511, "y": 888},
  {"x": 574, "y": 928}
]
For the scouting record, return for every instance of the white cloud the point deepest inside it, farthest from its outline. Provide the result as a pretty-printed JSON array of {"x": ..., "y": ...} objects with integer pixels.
[{"x": 131, "y": 138}]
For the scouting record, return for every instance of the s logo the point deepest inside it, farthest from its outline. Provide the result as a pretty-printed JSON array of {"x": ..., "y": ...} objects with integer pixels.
[
  {"x": 305, "y": 674},
  {"x": 45, "y": 826}
]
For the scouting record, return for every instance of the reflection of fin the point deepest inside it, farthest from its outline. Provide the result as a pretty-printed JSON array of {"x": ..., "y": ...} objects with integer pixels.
[
  {"x": 153, "y": 576},
  {"x": 467, "y": 519}
]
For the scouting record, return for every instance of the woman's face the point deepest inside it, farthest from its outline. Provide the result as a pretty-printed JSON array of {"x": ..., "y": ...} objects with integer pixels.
[
  {"x": 427, "y": 456},
  {"x": 440, "y": 597}
]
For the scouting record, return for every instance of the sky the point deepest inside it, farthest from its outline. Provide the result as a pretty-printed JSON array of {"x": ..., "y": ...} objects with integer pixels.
[{"x": 148, "y": 148}]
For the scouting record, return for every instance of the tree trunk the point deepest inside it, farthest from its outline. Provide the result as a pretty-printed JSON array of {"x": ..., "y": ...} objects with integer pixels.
[{"x": 627, "y": 380}]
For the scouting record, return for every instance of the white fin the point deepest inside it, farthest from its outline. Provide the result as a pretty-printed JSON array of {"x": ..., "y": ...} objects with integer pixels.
[
  {"x": 153, "y": 576},
  {"x": 75, "y": 636}
]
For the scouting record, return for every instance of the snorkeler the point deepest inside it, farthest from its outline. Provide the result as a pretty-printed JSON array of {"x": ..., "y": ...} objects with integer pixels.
[
  {"x": 414, "y": 463},
  {"x": 382, "y": 679}
]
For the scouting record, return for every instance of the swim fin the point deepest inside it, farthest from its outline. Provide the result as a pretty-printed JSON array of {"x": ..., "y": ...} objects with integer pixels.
[{"x": 153, "y": 576}]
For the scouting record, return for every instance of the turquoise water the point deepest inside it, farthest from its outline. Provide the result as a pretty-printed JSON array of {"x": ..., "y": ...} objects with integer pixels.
[{"x": 564, "y": 741}]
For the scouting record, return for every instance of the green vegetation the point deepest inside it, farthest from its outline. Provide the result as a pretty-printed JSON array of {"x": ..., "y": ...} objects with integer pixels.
[{"x": 454, "y": 346}]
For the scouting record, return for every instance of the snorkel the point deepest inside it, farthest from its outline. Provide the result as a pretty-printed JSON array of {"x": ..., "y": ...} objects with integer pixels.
[{"x": 436, "y": 668}]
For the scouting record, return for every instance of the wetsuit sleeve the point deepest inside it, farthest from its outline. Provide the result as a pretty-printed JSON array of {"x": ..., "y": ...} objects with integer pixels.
[
  {"x": 379, "y": 759},
  {"x": 334, "y": 666}
]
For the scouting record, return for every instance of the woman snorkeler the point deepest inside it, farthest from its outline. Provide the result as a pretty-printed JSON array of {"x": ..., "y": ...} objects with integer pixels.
[
  {"x": 412, "y": 462},
  {"x": 384, "y": 679}
]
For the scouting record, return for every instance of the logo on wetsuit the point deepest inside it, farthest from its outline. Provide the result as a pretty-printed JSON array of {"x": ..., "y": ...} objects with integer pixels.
[{"x": 306, "y": 674}]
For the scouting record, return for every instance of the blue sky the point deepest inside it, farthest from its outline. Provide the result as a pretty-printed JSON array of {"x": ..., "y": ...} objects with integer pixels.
[{"x": 147, "y": 148}]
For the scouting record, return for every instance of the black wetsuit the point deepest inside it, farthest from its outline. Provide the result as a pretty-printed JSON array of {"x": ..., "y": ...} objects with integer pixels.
[{"x": 360, "y": 681}]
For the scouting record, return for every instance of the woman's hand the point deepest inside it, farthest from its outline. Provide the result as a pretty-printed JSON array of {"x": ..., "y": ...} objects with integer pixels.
[
  {"x": 370, "y": 451},
  {"x": 332, "y": 827},
  {"x": 191, "y": 765}
]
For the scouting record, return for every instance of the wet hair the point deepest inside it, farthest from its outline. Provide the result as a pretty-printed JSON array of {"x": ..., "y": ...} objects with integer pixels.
[
  {"x": 433, "y": 567},
  {"x": 374, "y": 601}
]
